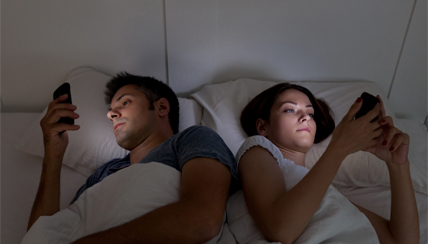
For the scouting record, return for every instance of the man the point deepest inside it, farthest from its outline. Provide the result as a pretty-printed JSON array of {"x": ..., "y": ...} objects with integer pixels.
[{"x": 144, "y": 113}]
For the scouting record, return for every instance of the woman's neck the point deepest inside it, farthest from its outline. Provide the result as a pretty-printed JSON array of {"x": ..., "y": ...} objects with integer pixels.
[{"x": 295, "y": 156}]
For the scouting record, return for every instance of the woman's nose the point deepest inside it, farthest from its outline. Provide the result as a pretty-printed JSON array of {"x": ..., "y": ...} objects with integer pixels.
[{"x": 304, "y": 117}]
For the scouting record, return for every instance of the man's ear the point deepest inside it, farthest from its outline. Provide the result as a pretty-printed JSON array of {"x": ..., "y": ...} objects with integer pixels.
[
  {"x": 261, "y": 126},
  {"x": 163, "y": 107}
]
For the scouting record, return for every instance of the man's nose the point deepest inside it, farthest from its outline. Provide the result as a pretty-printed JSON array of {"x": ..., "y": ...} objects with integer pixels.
[{"x": 113, "y": 114}]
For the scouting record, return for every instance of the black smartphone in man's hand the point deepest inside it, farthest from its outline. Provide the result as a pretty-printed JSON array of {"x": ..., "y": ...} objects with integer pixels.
[
  {"x": 369, "y": 102},
  {"x": 64, "y": 89}
]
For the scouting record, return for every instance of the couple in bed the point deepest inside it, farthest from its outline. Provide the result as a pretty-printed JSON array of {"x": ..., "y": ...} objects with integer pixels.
[{"x": 283, "y": 122}]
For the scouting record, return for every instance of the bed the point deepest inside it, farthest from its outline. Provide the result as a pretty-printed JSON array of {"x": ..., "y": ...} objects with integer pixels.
[
  {"x": 361, "y": 178},
  {"x": 216, "y": 55}
]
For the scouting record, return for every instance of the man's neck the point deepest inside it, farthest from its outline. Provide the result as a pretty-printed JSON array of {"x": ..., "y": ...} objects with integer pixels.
[{"x": 147, "y": 146}]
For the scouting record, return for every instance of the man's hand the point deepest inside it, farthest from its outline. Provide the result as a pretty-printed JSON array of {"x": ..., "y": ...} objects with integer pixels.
[{"x": 54, "y": 142}]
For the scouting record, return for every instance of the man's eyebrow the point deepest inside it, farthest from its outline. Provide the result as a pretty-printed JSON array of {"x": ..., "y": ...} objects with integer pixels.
[
  {"x": 125, "y": 94},
  {"x": 118, "y": 99}
]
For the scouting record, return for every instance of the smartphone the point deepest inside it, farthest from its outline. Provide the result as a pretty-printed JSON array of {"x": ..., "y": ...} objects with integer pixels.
[
  {"x": 64, "y": 89},
  {"x": 369, "y": 102}
]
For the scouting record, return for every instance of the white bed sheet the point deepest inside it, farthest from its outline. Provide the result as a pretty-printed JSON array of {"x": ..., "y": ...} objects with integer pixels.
[
  {"x": 378, "y": 200},
  {"x": 20, "y": 174}
]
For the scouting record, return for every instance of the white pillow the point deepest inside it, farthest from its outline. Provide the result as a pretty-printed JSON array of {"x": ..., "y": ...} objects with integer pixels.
[
  {"x": 94, "y": 143},
  {"x": 223, "y": 104}
]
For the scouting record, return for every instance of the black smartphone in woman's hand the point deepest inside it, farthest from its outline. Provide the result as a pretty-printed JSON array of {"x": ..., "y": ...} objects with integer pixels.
[{"x": 369, "y": 102}]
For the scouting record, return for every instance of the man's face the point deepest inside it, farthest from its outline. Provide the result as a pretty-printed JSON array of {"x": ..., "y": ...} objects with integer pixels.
[{"x": 132, "y": 119}]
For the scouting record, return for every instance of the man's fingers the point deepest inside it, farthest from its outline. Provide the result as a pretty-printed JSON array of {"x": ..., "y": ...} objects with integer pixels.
[
  {"x": 61, "y": 98},
  {"x": 57, "y": 128},
  {"x": 55, "y": 117}
]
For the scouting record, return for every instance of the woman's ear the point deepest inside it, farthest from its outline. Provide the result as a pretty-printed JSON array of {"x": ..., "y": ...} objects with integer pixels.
[
  {"x": 163, "y": 107},
  {"x": 261, "y": 126}
]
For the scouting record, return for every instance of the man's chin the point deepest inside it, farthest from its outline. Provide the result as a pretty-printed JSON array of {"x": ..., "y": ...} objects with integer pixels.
[
  {"x": 124, "y": 146},
  {"x": 122, "y": 142}
]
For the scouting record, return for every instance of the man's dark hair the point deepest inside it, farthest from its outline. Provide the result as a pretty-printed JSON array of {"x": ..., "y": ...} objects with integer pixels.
[{"x": 152, "y": 88}]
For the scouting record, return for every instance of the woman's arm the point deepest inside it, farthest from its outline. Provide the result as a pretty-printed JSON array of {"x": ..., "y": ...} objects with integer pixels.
[
  {"x": 282, "y": 216},
  {"x": 403, "y": 226},
  {"x": 393, "y": 148}
]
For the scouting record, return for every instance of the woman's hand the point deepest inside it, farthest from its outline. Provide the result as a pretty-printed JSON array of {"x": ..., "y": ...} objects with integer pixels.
[
  {"x": 352, "y": 135},
  {"x": 54, "y": 142},
  {"x": 393, "y": 146}
]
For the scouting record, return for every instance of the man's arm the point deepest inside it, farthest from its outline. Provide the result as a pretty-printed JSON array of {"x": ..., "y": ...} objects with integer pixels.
[
  {"x": 196, "y": 218},
  {"x": 47, "y": 198}
]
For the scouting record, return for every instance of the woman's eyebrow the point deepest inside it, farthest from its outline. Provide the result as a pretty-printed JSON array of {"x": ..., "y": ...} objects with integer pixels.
[{"x": 307, "y": 106}]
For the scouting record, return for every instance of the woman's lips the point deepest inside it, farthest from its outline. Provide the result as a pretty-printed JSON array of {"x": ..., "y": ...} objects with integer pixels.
[{"x": 305, "y": 129}]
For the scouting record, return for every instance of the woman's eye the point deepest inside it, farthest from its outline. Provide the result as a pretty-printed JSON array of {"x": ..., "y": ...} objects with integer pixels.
[
  {"x": 125, "y": 103},
  {"x": 288, "y": 110},
  {"x": 311, "y": 115}
]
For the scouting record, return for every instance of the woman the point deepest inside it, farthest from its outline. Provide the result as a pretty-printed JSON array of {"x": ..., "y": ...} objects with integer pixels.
[{"x": 287, "y": 119}]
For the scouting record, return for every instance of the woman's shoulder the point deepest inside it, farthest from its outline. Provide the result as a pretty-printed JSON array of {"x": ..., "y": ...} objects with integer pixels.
[{"x": 259, "y": 141}]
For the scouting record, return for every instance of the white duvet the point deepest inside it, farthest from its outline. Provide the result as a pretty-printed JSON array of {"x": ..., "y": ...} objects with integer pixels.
[
  {"x": 141, "y": 188},
  {"x": 336, "y": 221},
  {"x": 117, "y": 199}
]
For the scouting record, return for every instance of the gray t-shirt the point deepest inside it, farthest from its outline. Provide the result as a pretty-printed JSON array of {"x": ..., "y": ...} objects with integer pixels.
[{"x": 195, "y": 141}]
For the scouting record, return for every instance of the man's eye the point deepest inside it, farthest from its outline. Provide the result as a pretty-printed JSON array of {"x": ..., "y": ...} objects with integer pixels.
[{"x": 125, "y": 103}]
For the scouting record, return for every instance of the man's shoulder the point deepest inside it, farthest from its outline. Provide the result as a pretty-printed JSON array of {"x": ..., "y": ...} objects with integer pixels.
[
  {"x": 197, "y": 128},
  {"x": 197, "y": 131},
  {"x": 115, "y": 163}
]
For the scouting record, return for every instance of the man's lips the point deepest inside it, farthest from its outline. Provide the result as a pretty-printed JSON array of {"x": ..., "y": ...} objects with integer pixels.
[
  {"x": 305, "y": 129},
  {"x": 117, "y": 126}
]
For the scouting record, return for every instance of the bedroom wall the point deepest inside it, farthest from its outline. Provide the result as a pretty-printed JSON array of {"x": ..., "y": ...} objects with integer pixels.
[
  {"x": 410, "y": 81},
  {"x": 43, "y": 40},
  {"x": 189, "y": 43},
  {"x": 301, "y": 40}
]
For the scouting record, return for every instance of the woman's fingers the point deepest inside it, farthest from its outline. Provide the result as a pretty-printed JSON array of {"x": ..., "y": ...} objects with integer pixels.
[
  {"x": 353, "y": 110},
  {"x": 372, "y": 114},
  {"x": 390, "y": 130},
  {"x": 382, "y": 108},
  {"x": 398, "y": 140}
]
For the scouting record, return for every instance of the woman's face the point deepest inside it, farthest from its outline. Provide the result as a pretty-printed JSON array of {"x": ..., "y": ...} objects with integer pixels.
[{"x": 291, "y": 123}]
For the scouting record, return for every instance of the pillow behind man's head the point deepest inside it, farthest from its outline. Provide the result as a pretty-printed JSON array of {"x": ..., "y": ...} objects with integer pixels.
[{"x": 94, "y": 143}]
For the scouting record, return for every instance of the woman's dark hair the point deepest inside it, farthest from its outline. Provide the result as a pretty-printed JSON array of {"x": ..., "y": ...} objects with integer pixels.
[
  {"x": 260, "y": 107},
  {"x": 152, "y": 88}
]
